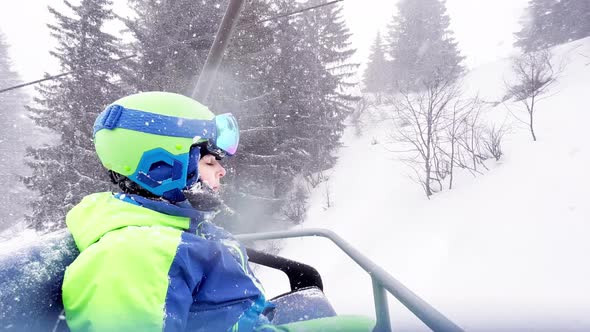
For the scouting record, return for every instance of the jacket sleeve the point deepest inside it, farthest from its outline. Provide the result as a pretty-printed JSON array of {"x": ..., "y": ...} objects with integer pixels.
[
  {"x": 185, "y": 275},
  {"x": 213, "y": 290}
]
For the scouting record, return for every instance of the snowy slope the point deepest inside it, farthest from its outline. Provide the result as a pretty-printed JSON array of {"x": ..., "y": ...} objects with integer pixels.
[{"x": 503, "y": 251}]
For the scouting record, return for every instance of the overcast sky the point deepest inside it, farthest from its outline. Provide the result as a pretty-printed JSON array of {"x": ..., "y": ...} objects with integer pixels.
[{"x": 483, "y": 28}]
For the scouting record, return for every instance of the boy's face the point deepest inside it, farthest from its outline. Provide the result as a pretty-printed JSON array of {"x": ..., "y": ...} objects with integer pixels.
[{"x": 211, "y": 172}]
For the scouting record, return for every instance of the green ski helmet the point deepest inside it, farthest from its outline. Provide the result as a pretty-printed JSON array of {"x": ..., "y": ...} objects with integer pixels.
[{"x": 154, "y": 139}]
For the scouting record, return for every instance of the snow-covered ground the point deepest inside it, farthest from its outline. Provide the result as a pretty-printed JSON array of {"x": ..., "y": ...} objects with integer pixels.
[{"x": 506, "y": 250}]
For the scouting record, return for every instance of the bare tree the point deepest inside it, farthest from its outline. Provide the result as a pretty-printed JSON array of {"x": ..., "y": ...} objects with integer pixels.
[
  {"x": 452, "y": 132},
  {"x": 469, "y": 140},
  {"x": 328, "y": 197},
  {"x": 421, "y": 122},
  {"x": 463, "y": 135},
  {"x": 441, "y": 130},
  {"x": 356, "y": 116},
  {"x": 534, "y": 74}
]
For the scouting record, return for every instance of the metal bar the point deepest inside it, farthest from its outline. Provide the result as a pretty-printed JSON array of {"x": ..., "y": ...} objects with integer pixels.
[
  {"x": 424, "y": 311},
  {"x": 381, "y": 308},
  {"x": 215, "y": 56}
]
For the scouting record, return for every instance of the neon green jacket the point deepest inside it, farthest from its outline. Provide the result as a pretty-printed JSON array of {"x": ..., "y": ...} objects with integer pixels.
[{"x": 144, "y": 270}]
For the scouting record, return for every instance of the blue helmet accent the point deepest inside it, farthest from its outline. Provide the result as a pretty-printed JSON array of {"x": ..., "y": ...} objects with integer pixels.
[
  {"x": 163, "y": 174},
  {"x": 159, "y": 171}
]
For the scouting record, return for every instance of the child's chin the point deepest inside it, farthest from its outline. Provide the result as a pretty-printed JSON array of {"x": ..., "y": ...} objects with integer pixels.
[
  {"x": 214, "y": 188},
  {"x": 203, "y": 197}
]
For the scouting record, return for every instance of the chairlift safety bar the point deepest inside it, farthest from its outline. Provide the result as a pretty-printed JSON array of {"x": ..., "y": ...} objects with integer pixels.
[{"x": 382, "y": 281}]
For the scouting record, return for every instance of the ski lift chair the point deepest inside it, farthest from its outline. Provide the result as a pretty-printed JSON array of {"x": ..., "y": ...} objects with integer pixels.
[{"x": 31, "y": 276}]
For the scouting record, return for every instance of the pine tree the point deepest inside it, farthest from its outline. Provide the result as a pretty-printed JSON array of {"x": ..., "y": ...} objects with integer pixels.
[
  {"x": 377, "y": 74},
  {"x": 538, "y": 30},
  {"x": 571, "y": 20},
  {"x": 293, "y": 114},
  {"x": 267, "y": 163},
  {"x": 244, "y": 86},
  {"x": 172, "y": 40},
  {"x": 421, "y": 44},
  {"x": 64, "y": 173},
  {"x": 14, "y": 137},
  {"x": 296, "y": 97},
  {"x": 329, "y": 97},
  {"x": 310, "y": 80},
  {"x": 551, "y": 22}
]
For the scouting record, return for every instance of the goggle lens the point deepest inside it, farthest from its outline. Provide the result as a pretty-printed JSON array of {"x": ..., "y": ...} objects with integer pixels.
[{"x": 228, "y": 133}]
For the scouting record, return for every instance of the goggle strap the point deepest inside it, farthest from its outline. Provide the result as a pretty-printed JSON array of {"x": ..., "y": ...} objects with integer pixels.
[{"x": 117, "y": 116}]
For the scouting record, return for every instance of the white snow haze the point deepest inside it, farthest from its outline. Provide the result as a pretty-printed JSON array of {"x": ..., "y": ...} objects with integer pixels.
[
  {"x": 502, "y": 251},
  {"x": 24, "y": 24},
  {"x": 483, "y": 29}
]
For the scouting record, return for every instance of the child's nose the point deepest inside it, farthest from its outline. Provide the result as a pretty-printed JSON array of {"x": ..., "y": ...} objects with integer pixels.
[{"x": 221, "y": 171}]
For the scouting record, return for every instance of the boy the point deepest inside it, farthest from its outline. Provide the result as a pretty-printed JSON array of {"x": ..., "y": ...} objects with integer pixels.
[{"x": 150, "y": 260}]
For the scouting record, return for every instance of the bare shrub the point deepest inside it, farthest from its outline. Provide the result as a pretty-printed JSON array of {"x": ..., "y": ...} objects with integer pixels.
[
  {"x": 314, "y": 179},
  {"x": 295, "y": 206},
  {"x": 534, "y": 75},
  {"x": 463, "y": 133},
  {"x": 356, "y": 117},
  {"x": 492, "y": 141},
  {"x": 470, "y": 152}
]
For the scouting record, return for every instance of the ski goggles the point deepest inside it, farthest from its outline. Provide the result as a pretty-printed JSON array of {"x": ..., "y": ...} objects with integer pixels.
[{"x": 222, "y": 132}]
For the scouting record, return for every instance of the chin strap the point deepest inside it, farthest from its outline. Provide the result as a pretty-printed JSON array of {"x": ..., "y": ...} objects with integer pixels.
[{"x": 128, "y": 186}]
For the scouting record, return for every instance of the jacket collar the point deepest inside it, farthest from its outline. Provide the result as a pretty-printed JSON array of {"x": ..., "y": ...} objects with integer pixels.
[
  {"x": 100, "y": 213},
  {"x": 180, "y": 209}
]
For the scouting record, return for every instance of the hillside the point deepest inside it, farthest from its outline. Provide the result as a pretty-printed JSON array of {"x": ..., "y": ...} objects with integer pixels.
[{"x": 502, "y": 251}]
